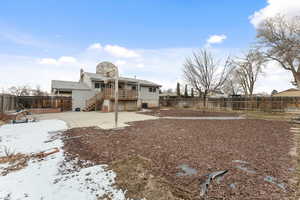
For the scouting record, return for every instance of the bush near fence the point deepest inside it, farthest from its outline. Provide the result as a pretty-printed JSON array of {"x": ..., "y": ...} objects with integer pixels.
[
  {"x": 266, "y": 104},
  {"x": 41, "y": 104}
]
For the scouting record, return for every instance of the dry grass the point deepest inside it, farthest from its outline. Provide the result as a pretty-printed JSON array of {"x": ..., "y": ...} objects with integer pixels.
[
  {"x": 270, "y": 115},
  {"x": 296, "y": 178},
  {"x": 9, "y": 152},
  {"x": 280, "y": 116},
  {"x": 143, "y": 184}
]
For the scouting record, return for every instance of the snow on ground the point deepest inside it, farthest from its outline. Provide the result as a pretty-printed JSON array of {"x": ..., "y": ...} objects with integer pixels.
[{"x": 44, "y": 179}]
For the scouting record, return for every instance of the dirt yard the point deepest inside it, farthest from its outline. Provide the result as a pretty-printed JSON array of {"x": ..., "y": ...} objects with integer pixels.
[
  {"x": 256, "y": 153},
  {"x": 187, "y": 113}
]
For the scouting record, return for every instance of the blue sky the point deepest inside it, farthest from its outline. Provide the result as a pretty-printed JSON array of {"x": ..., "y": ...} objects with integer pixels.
[
  {"x": 134, "y": 24},
  {"x": 150, "y": 39}
]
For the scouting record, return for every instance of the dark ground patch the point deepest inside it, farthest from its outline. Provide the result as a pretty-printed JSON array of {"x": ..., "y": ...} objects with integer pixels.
[
  {"x": 171, "y": 112},
  {"x": 207, "y": 146}
]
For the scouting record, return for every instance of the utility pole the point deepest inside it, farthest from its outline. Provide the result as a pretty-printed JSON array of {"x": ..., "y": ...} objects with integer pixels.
[{"x": 111, "y": 71}]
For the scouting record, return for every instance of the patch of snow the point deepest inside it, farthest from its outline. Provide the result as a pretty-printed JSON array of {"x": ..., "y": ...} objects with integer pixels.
[
  {"x": 47, "y": 179},
  {"x": 30, "y": 137}
]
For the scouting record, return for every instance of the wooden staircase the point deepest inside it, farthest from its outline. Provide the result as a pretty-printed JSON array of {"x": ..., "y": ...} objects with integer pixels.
[{"x": 94, "y": 102}]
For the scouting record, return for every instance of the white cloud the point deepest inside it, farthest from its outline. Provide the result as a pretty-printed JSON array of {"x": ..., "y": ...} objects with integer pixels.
[
  {"x": 140, "y": 65},
  {"x": 214, "y": 39},
  {"x": 284, "y": 7},
  {"x": 48, "y": 61},
  {"x": 120, "y": 62},
  {"x": 121, "y": 52},
  {"x": 275, "y": 77},
  {"x": 95, "y": 46},
  {"x": 15, "y": 67},
  {"x": 66, "y": 59},
  {"x": 164, "y": 66},
  {"x": 59, "y": 61}
]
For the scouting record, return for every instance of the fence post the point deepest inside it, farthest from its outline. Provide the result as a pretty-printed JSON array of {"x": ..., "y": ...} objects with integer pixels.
[{"x": 2, "y": 103}]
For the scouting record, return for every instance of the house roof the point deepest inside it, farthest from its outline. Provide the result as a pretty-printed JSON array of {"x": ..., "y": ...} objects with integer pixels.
[
  {"x": 292, "y": 92},
  {"x": 100, "y": 77},
  {"x": 291, "y": 89},
  {"x": 168, "y": 94},
  {"x": 68, "y": 85}
]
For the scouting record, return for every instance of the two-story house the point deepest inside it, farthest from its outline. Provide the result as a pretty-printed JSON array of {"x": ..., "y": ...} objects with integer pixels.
[{"x": 94, "y": 91}]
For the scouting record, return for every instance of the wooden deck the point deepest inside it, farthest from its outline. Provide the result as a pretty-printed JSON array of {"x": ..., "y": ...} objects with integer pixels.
[{"x": 109, "y": 93}]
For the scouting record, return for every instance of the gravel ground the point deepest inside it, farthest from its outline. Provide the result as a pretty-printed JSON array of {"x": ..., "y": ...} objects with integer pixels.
[
  {"x": 254, "y": 152},
  {"x": 187, "y": 113}
]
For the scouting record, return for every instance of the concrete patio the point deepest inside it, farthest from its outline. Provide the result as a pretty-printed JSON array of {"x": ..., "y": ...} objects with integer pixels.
[{"x": 99, "y": 119}]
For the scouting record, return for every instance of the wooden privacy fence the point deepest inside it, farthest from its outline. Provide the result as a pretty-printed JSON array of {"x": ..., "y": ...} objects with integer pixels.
[
  {"x": 64, "y": 103},
  {"x": 266, "y": 104},
  {"x": 7, "y": 102},
  {"x": 10, "y": 102}
]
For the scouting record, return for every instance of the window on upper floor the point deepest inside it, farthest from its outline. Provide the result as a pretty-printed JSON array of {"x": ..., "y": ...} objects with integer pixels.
[
  {"x": 152, "y": 89},
  {"x": 97, "y": 85}
]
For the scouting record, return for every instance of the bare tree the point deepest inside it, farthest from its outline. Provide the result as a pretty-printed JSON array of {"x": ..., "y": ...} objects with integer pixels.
[
  {"x": 248, "y": 69},
  {"x": 20, "y": 90},
  {"x": 170, "y": 90},
  {"x": 279, "y": 39},
  {"x": 204, "y": 73},
  {"x": 232, "y": 85},
  {"x": 38, "y": 91}
]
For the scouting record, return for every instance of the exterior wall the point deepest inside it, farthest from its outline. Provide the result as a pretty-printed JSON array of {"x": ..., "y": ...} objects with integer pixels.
[
  {"x": 87, "y": 81},
  {"x": 93, "y": 86},
  {"x": 79, "y": 98},
  {"x": 125, "y": 105},
  {"x": 109, "y": 105},
  {"x": 151, "y": 98}
]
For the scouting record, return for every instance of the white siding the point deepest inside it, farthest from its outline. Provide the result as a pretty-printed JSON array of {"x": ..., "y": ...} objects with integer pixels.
[
  {"x": 87, "y": 81},
  {"x": 151, "y": 98},
  {"x": 79, "y": 98}
]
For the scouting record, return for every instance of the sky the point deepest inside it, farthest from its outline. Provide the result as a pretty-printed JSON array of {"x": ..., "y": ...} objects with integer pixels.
[{"x": 49, "y": 40}]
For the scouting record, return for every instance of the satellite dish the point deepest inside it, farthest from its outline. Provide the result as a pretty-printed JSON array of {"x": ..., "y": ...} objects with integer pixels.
[{"x": 106, "y": 69}]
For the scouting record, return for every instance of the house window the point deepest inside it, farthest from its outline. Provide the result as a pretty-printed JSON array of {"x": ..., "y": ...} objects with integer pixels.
[
  {"x": 152, "y": 89},
  {"x": 133, "y": 87},
  {"x": 97, "y": 85}
]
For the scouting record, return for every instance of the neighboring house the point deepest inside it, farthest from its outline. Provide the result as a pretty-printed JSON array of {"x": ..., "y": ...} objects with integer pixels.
[
  {"x": 292, "y": 92},
  {"x": 94, "y": 91},
  {"x": 168, "y": 95},
  {"x": 217, "y": 94}
]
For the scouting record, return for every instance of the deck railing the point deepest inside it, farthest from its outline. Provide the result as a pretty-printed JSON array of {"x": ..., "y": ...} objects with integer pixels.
[{"x": 124, "y": 94}]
